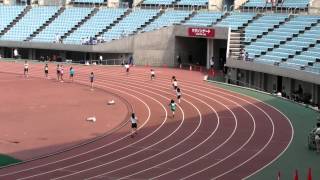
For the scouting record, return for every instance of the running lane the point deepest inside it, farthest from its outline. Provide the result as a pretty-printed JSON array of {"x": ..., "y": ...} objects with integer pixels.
[{"x": 216, "y": 134}]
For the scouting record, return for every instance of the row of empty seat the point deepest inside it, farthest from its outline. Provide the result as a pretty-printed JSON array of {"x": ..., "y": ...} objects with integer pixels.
[
  {"x": 36, "y": 17},
  {"x": 179, "y": 2},
  {"x": 281, "y": 3}
]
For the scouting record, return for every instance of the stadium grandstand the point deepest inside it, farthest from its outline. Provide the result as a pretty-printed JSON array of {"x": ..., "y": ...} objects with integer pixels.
[{"x": 271, "y": 46}]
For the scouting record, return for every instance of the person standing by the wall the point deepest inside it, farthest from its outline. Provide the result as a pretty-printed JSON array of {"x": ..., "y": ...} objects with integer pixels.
[{"x": 179, "y": 61}]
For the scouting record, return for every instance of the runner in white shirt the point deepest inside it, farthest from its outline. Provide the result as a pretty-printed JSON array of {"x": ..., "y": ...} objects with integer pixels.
[
  {"x": 153, "y": 75},
  {"x": 26, "y": 69},
  {"x": 127, "y": 68},
  {"x": 175, "y": 84},
  {"x": 134, "y": 125}
]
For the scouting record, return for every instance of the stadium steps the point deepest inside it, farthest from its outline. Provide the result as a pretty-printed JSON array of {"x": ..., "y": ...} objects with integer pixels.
[
  {"x": 270, "y": 30},
  {"x": 225, "y": 15},
  {"x": 241, "y": 28},
  {"x": 307, "y": 28},
  {"x": 235, "y": 44},
  {"x": 162, "y": 11},
  {"x": 85, "y": 19},
  {"x": 221, "y": 18},
  {"x": 57, "y": 14},
  {"x": 114, "y": 23},
  {"x": 17, "y": 19},
  {"x": 191, "y": 15}
]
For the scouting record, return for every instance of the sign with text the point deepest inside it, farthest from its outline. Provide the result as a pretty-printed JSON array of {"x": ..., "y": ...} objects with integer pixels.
[{"x": 201, "y": 32}]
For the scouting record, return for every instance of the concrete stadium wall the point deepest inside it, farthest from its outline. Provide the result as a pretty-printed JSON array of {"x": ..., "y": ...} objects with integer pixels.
[{"x": 266, "y": 78}]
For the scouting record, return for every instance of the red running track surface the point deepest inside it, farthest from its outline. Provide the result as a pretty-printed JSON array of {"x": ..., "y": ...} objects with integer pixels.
[{"x": 215, "y": 134}]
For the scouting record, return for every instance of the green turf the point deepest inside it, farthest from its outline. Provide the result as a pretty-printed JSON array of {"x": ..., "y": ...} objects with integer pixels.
[
  {"x": 6, "y": 160},
  {"x": 297, "y": 156}
]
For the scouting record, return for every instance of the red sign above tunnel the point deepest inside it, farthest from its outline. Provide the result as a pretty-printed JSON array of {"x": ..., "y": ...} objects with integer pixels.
[{"x": 201, "y": 32}]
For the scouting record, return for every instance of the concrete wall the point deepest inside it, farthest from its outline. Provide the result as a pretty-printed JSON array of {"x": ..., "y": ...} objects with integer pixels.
[
  {"x": 216, "y": 5},
  {"x": 155, "y": 48},
  {"x": 238, "y": 3},
  {"x": 314, "y": 7},
  {"x": 135, "y": 2},
  {"x": 270, "y": 69},
  {"x": 113, "y": 3},
  {"x": 51, "y": 2}
]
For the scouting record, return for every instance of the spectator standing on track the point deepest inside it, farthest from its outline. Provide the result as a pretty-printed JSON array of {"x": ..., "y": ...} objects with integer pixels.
[
  {"x": 46, "y": 70},
  {"x": 61, "y": 73},
  {"x": 178, "y": 95},
  {"x": 58, "y": 72},
  {"x": 71, "y": 73},
  {"x": 127, "y": 67},
  {"x": 153, "y": 75},
  {"x": 91, "y": 77},
  {"x": 134, "y": 125},
  {"x": 173, "y": 106},
  {"x": 26, "y": 69},
  {"x": 317, "y": 137}
]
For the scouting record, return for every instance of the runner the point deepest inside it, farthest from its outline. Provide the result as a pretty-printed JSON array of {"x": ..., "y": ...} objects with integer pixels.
[
  {"x": 127, "y": 66},
  {"x": 91, "y": 80},
  {"x": 134, "y": 125},
  {"x": 178, "y": 95},
  {"x": 175, "y": 84},
  {"x": 61, "y": 73},
  {"x": 153, "y": 75},
  {"x": 58, "y": 72},
  {"x": 172, "y": 107},
  {"x": 71, "y": 71},
  {"x": 26, "y": 69},
  {"x": 46, "y": 70}
]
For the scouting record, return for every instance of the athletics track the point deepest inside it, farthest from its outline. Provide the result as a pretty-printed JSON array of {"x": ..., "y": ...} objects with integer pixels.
[{"x": 216, "y": 134}]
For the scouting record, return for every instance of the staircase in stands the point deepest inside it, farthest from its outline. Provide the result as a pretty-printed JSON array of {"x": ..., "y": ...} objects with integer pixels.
[
  {"x": 17, "y": 19},
  {"x": 85, "y": 19},
  {"x": 47, "y": 23}
]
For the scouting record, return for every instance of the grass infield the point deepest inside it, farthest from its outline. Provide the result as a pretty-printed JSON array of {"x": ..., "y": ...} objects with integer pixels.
[{"x": 7, "y": 160}]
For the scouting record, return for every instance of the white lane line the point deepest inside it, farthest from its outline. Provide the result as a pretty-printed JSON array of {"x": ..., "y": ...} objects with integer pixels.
[
  {"x": 129, "y": 155},
  {"x": 92, "y": 150},
  {"x": 108, "y": 153},
  {"x": 190, "y": 135},
  {"x": 183, "y": 153}
]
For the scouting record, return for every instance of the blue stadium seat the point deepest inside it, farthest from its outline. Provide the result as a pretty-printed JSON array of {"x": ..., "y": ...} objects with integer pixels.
[
  {"x": 130, "y": 24},
  {"x": 167, "y": 19},
  {"x": 204, "y": 18},
  {"x": 30, "y": 23},
  {"x": 68, "y": 19},
  {"x": 103, "y": 18},
  {"x": 8, "y": 14}
]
